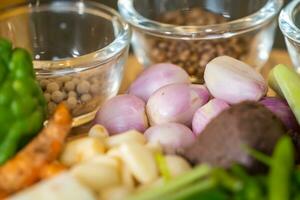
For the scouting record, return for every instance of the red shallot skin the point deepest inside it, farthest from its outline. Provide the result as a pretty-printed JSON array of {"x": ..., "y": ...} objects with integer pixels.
[
  {"x": 122, "y": 113},
  {"x": 206, "y": 113},
  {"x": 282, "y": 110},
  {"x": 176, "y": 103},
  {"x": 155, "y": 77},
  {"x": 173, "y": 137}
]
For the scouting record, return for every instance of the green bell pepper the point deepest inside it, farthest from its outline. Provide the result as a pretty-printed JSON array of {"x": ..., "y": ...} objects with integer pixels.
[{"x": 22, "y": 104}]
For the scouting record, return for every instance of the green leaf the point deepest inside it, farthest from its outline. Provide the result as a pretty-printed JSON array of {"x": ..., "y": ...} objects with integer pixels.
[{"x": 211, "y": 194}]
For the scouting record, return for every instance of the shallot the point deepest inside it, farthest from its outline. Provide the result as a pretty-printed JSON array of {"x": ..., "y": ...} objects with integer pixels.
[
  {"x": 206, "y": 113},
  {"x": 233, "y": 81},
  {"x": 156, "y": 77},
  {"x": 282, "y": 110},
  {"x": 176, "y": 103},
  {"x": 201, "y": 90},
  {"x": 122, "y": 113}
]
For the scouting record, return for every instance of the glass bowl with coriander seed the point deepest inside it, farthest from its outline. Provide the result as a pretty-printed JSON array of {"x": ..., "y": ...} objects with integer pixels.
[
  {"x": 289, "y": 23},
  {"x": 190, "y": 33},
  {"x": 79, "y": 50}
]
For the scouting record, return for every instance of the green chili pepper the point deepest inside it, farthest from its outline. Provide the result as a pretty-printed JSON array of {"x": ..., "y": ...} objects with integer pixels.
[
  {"x": 281, "y": 170},
  {"x": 22, "y": 104}
]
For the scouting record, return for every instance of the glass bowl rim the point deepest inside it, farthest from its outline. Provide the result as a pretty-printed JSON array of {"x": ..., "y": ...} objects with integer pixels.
[
  {"x": 100, "y": 56},
  {"x": 222, "y": 30},
  {"x": 286, "y": 21}
]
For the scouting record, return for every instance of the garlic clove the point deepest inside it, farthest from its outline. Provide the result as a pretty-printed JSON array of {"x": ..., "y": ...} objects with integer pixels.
[{"x": 140, "y": 161}]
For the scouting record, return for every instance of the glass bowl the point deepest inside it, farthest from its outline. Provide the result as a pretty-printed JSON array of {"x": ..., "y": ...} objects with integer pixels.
[
  {"x": 190, "y": 33},
  {"x": 79, "y": 50},
  {"x": 289, "y": 23}
]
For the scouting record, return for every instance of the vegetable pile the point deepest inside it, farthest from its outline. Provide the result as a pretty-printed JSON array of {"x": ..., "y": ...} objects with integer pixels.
[
  {"x": 179, "y": 112},
  {"x": 228, "y": 123},
  {"x": 143, "y": 144},
  {"x": 22, "y": 104},
  {"x": 108, "y": 167},
  {"x": 282, "y": 182}
]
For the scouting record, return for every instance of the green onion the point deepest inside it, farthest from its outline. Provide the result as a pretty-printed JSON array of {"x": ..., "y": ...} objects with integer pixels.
[{"x": 174, "y": 185}]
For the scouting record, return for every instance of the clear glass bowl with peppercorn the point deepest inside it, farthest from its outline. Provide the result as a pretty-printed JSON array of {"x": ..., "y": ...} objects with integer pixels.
[
  {"x": 190, "y": 33},
  {"x": 79, "y": 51},
  {"x": 289, "y": 23}
]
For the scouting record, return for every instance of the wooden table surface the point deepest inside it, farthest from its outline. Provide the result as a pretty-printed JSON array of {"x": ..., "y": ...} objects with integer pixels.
[{"x": 133, "y": 68}]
